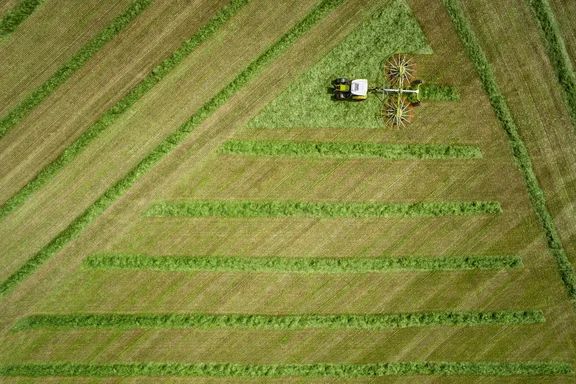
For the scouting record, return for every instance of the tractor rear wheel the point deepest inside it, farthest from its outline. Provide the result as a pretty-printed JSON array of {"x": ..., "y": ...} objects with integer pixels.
[{"x": 340, "y": 96}]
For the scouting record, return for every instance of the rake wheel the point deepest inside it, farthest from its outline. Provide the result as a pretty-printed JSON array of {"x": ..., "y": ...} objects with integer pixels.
[
  {"x": 400, "y": 70},
  {"x": 398, "y": 112}
]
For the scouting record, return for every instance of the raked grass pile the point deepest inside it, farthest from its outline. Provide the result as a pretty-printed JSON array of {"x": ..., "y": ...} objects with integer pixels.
[
  {"x": 279, "y": 322},
  {"x": 533, "y": 368},
  {"x": 123, "y": 105},
  {"x": 434, "y": 92},
  {"x": 72, "y": 65},
  {"x": 247, "y": 209},
  {"x": 17, "y": 15},
  {"x": 523, "y": 160},
  {"x": 299, "y": 264},
  {"x": 559, "y": 57},
  {"x": 351, "y": 150},
  {"x": 74, "y": 229}
]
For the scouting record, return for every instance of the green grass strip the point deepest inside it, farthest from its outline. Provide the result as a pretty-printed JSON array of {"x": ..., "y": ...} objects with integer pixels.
[
  {"x": 278, "y": 322},
  {"x": 435, "y": 92},
  {"x": 557, "y": 53},
  {"x": 77, "y": 226},
  {"x": 16, "y": 16},
  {"x": 351, "y": 150},
  {"x": 523, "y": 161},
  {"x": 241, "y": 209},
  {"x": 123, "y": 105},
  {"x": 299, "y": 264},
  {"x": 289, "y": 370},
  {"x": 72, "y": 65}
]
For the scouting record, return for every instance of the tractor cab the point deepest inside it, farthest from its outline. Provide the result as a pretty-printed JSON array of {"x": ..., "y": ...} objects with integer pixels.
[{"x": 353, "y": 90}]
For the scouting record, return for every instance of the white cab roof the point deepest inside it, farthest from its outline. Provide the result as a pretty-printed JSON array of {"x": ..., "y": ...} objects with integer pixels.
[{"x": 359, "y": 87}]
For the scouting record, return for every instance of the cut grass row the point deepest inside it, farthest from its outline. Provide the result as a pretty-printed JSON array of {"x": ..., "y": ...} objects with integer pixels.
[
  {"x": 289, "y": 370},
  {"x": 17, "y": 15},
  {"x": 279, "y": 322},
  {"x": 246, "y": 209},
  {"x": 435, "y": 92},
  {"x": 113, "y": 193},
  {"x": 299, "y": 264},
  {"x": 557, "y": 53},
  {"x": 523, "y": 160},
  {"x": 72, "y": 65},
  {"x": 123, "y": 105},
  {"x": 351, "y": 150}
]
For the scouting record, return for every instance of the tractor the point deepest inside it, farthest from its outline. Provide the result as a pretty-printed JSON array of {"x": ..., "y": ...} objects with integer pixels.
[
  {"x": 356, "y": 90},
  {"x": 401, "y": 90}
]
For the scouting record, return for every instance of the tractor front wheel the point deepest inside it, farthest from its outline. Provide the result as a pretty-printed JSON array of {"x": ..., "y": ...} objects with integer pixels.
[{"x": 341, "y": 80}]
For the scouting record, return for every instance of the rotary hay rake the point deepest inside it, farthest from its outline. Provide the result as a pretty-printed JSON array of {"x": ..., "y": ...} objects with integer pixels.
[{"x": 400, "y": 72}]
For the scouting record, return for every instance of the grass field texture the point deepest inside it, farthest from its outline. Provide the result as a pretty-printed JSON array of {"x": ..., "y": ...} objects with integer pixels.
[
  {"x": 73, "y": 64},
  {"x": 188, "y": 240},
  {"x": 350, "y": 150},
  {"x": 122, "y": 106},
  {"x": 302, "y": 265}
]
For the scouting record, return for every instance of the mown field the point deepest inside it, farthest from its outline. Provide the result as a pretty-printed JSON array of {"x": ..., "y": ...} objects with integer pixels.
[{"x": 182, "y": 201}]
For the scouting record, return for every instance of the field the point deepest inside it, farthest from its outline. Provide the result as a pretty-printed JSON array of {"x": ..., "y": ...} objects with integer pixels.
[{"x": 182, "y": 200}]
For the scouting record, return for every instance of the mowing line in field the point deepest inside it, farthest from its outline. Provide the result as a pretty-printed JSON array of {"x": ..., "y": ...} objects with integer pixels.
[
  {"x": 532, "y": 368},
  {"x": 351, "y": 150},
  {"x": 72, "y": 65},
  {"x": 113, "y": 193},
  {"x": 245, "y": 209},
  {"x": 279, "y": 322},
  {"x": 557, "y": 53},
  {"x": 299, "y": 264},
  {"x": 523, "y": 160},
  {"x": 17, "y": 15},
  {"x": 123, "y": 105},
  {"x": 435, "y": 92}
]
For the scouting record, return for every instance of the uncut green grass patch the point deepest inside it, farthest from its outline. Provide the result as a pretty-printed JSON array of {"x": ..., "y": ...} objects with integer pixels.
[
  {"x": 299, "y": 264},
  {"x": 123, "y": 105},
  {"x": 351, "y": 150},
  {"x": 246, "y": 209},
  {"x": 559, "y": 57},
  {"x": 284, "y": 322},
  {"x": 532, "y": 368},
  {"x": 521, "y": 155},
  {"x": 17, "y": 15},
  {"x": 306, "y": 102},
  {"x": 75, "y": 229},
  {"x": 72, "y": 65}
]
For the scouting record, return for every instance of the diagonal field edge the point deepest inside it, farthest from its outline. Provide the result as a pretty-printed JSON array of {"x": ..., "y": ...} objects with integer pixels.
[
  {"x": 123, "y": 105},
  {"x": 535, "y": 368},
  {"x": 521, "y": 155},
  {"x": 166, "y": 146},
  {"x": 557, "y": 53},
  {"x": 72, "y": 65},
  {"x": 350, "y": 150},
  {"x": 299, "y": 264},
  {"x": 246, "y": 209},
  {"x": 278, "y": 322},
  {"x": 17, "y": 15}
]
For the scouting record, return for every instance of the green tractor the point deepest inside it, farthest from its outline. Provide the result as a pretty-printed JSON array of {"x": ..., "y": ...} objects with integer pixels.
[
  {"x": 345, "y": 89},
  {"x": 401, "y": 90}
]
